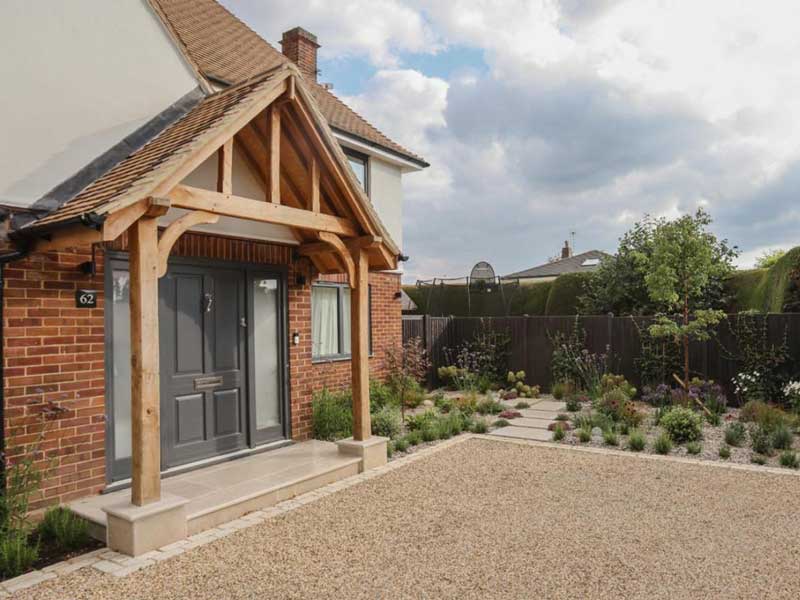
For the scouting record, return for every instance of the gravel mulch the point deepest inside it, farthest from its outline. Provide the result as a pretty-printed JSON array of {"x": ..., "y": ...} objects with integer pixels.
[{"x": 491, "y": 519}]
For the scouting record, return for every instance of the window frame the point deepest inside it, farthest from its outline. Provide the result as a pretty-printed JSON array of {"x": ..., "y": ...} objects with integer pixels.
[
  {"x": 362, "y": 158},
  {"x": 340, "y": 311}
]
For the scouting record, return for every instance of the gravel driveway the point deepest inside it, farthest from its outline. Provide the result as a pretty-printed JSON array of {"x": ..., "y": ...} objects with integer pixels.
[{"x": 492, "y": 519}]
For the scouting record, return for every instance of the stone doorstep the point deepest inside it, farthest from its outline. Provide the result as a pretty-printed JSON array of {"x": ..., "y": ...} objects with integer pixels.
[{"x": 120, "y": 565}]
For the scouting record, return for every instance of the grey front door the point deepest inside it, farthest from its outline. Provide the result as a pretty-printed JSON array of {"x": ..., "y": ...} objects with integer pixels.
[{"x": 204, "y": 403}]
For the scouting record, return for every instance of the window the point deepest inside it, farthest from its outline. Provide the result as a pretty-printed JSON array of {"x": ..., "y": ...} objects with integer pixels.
[
  {"x": 330, "y": 320},
  {"x": 358, "y": 162}
]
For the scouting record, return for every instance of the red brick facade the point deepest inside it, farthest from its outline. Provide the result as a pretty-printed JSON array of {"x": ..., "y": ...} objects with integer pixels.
[{"x": 54, "y": 355}]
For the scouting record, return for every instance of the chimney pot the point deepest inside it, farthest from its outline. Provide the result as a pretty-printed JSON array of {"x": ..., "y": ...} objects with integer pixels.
[
  {"x": 300, "y": 46},
  {"x": 566, "y": 251}
]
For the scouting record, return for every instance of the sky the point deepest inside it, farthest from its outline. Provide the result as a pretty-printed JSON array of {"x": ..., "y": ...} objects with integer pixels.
[{"x": 541, "y": 118}]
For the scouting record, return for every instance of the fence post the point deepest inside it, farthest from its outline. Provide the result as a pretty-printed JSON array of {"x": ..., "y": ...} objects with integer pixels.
[{"x": 610, "y": 321}]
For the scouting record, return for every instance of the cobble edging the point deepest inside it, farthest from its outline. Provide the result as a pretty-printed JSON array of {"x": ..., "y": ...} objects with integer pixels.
[{"x": 120, "y": 565}]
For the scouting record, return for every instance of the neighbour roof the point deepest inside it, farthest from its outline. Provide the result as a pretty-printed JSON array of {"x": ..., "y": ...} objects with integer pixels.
[
  {"x": 579, "y": 263},
  {"x": 223, "y": 48}
]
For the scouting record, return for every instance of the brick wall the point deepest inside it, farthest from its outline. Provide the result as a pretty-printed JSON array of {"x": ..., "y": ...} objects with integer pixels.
[{"x": 54, "y": 361}]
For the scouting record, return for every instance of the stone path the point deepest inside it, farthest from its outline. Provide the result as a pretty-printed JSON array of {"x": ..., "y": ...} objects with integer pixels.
[{"x": 534, "y": 421}]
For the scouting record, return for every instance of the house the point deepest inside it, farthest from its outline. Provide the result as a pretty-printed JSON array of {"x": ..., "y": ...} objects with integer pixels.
[
  {"x": 585, "y": 262},
  {"x": 198, "y": 236}
]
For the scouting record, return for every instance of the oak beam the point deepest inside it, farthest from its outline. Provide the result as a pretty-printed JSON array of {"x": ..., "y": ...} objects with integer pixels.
[
  {"x": 330, "y": 242},
  {"x": 175, "y": 230},
  {"x": 359, "y": 345},
  {"x": 273, "y": 172},
  {"x": 313, "y": 192},
  {"x": 191, "y": 198},
  {"x": 225, "y": 168},
  {"x": 145, "y": 417}
]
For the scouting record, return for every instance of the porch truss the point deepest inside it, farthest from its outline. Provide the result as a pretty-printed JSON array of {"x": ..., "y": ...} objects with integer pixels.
[{"x": 308, "y": 187}]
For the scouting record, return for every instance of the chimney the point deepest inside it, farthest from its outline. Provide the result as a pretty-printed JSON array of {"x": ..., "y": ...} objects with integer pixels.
[
  {"x": 566, "y": 251},
  {"x": 300, "y": 47}
]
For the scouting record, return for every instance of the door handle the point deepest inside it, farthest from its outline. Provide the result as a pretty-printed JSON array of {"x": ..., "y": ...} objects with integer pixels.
[{"x": 209, "y": 301}]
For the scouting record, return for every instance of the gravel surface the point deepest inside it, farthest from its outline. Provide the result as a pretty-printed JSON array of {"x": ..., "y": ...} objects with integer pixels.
[{"x": 494, "y": 519}]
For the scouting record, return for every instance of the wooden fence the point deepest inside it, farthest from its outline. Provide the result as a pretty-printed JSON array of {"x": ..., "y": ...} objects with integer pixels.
[{"x": 531, "y": 345}]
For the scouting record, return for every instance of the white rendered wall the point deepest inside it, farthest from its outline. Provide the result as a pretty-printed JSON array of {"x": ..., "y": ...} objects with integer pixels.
[
  {"x": 386, "y": 193},
  {"x": 78, "y": 76}
]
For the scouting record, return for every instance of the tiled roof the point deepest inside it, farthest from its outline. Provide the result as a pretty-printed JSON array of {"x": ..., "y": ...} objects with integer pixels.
[
  {"x": 222, "y": 47},
  {"x": 573, "y": 264},
  {"x": 139, "y": 173}
]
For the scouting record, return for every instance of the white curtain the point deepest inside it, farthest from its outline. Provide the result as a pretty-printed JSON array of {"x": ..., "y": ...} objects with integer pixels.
[{"x": 324, "y": 321}]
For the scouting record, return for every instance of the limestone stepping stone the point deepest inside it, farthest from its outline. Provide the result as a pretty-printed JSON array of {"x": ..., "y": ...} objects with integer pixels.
[
  {"x": 528, "y": 422},
  {"x": 523, "y": 433},
  {"x": 553, "y": 405},
  {"x": 534, "y": 413}
]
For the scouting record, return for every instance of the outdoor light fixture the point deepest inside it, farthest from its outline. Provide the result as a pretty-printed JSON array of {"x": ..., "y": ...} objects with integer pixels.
[
  {"x": 301, "y": 280},
  {"x": 398, "y": 295},
  {"x": 296, "y": 338}
]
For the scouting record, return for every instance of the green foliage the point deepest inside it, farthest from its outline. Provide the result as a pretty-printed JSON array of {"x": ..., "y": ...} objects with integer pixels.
[
  {"x": 560, "y": 388},
  {"x": 387, "y": 422},
  {"x": 789, "y": 460},
  {"x": 573, "y": 402},
  {"x": 501, "y": 423},
  {"x": 17, "y": 554},
  {"x": 585, "y": 434},
  {"x": 769, "y": 258},
  {"x": 782, "y": 437},
  {"x": 609, "y": 382},
  {"x": 414, "y": 438},
  {"x": 572, "y": 363},
  {"x": 381, "y": 395},
  {"x": 479, "y": 426},
  {"x": 617, "y": 405},
  {"x": 460, "y": 301},
  {"x": 694, "y": 448},
  {"x": 758, "y": 459},
  {"x": 65, "y": 528},
  {"x": 565, "y": 293},
  {"x": 610, "y": 438},
  {"x": 389, "y": 449},
  {"x": 771, "y": 290},
  {"x": 662, "y": 444},
  {"x": 522, "y": 404},
  {"x": 682, "y": 425},
  {"x": 735, "y": 434},
  {"x": 765, "y": 415},
  {"x": 488, "y": 406},
  {"x": 761, "y": 440},
  {"x": 430, "y": 433},
  {"x": 401, "y": 445},
  {"x": 724, "y": 452},
  {"x": 636, "y": 441},
  {"x": 658, "y": 358},
  {"x": 332, "y": 415},
  {"x": 558, "y": 433}
]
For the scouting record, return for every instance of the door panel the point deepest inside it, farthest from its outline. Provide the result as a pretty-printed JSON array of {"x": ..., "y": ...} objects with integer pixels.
[{"x": 203, "y": 397}]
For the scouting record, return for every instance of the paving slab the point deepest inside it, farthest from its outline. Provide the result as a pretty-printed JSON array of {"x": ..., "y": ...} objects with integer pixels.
[
  {"x": 534, "y": 413},
  {"x": 523, "y": 433},
  {"x": 529, "y": 422},
  {"x": 550, "y": 405}
]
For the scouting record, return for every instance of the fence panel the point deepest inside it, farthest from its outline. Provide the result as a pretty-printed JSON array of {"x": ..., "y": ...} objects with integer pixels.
[{"x": 532, "y": 348}]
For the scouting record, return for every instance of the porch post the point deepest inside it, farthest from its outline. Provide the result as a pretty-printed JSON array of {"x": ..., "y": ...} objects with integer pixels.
[
  {"x": 145, "y": 418},
  {"x": 359, "y": 344}
]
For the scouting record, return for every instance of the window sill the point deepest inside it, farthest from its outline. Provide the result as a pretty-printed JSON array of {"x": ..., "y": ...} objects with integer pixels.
[{"x": 333, "y": 359}]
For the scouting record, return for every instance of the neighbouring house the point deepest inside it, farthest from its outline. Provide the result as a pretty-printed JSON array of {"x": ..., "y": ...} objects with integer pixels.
[
  {"x": 585, "y": 262},
  {"x": 198, "y": 236}
]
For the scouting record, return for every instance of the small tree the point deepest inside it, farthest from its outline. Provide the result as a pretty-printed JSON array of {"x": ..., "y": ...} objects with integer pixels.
[
  {"x": 685, "y": 262},
  {"x": 407, "y": 365}
]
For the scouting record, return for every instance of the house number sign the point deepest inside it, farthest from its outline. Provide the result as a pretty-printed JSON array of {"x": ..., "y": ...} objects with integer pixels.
[{"x": 85, "y": 298}]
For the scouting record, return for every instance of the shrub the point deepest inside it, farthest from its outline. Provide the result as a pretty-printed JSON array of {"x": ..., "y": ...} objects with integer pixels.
[
  {"x": 682, "y": 425},
  {"x": 713, "y": 419},
  {"x": 574, "y": 403},
  {"x": 443, "y": 403},
  {"x": 520, "y": 405},
  {"x": 609, "y": 382},
  {"x": 618, "y": 406},
  {"x": 724, "y": 452},
  {"x": 761, "y": 440},
  {"x": 636, "y": 441},
  {"x": 443, "y": 431},
  {"x": 604, "y": 422},
  {"x": 623, "y": 428},
  {"x": 610, "y": 438},
  {"x": 710, "y": 394},
  {"x": 487, "y": 406},
  {"x": 789, "y": 460},
  {"x": 381, "y": 395},
  {"x": 467, "y": 403},
  {"x": 17, "y": 555},
  {"x": 561, "y": 389},
  {"x": 558, "y": 433},
  {"x": 479, "y": 426},
  {"x": 500, "y": 423},
  {"x": 735, "y": 434},
  {"x": 662, "y": 444},
  {"x": 758, "y": 459},
  {"x": 401, "y": 445},
  {"x": 562, "y": 417},
  {"x": 782, "y": 438},
  {"x": 414, "y": 437},
  {"x": 763, "y": 414},
  {"x": 510, "y": 414},
  {"x": 661, "y": 395},
  {"x": 387, "y": 422},
  {"x": 694, "y": 448},
  {"x": 332, "y": 415},
  {"x": 585, "y": 434},
  {"x": 389, "y": 449},
  {"x": 68, "y": 530},
  {"x": 429, "y": 433},
  {"x": 421, "y": 420}
]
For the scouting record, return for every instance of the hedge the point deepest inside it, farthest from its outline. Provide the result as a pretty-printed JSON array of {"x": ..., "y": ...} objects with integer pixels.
[
  {"x": 564, "y": 294},
  {"x": 768, "y": 290},
  {"x": 446, "y": 300}
]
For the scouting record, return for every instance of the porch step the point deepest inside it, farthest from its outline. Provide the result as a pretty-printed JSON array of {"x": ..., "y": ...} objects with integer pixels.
[{"x": 228, "y": 490}]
